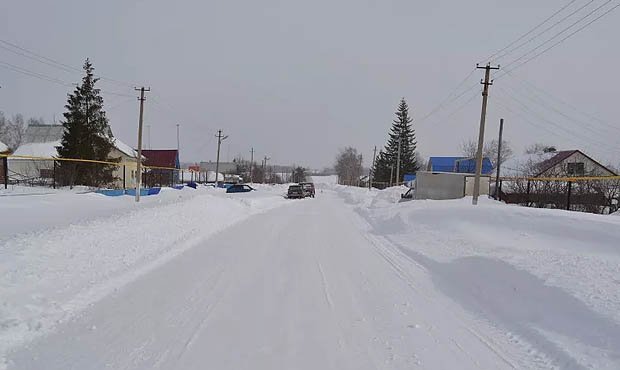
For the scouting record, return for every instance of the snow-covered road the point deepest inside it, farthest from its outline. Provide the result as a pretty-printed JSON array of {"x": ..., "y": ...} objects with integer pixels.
[
  {"x": 349, "y": 280},
  {"x": 300, "y": 287}
]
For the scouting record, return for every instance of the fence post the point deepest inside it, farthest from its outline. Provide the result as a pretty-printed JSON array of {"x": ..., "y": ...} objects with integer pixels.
[
  {"x": 528, "y": 192},
  {"x": 124, "y": 178},
  {"x": 568, "y": 196},
  {"x": 182, "y": 177},
  {"x": 5, "y": 170},
  {"x": 499, "y": 191},
  {"x": 54, "y": 176}
]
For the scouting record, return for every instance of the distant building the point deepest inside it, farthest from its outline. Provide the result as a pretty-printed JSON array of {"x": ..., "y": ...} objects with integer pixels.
[
  {"x": 458, "y": 165},
  {"x": 167, "y": 161},
  {"x": 3, "y": 150}
]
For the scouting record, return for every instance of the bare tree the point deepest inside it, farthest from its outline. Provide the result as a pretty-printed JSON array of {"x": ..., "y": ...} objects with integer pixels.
[
  {"x": 349, "y": 166},
  {"x": 469, "y": 149},
  {"x": 12, "y": 130}
]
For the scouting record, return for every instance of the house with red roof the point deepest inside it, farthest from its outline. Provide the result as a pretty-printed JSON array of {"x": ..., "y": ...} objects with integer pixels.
[{"x": 162, "y": 167}]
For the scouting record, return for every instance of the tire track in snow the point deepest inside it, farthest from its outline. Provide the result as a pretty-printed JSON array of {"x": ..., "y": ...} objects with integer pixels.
[
  {"x": 391, "y": 253},
  {"x": 325, "y": 287}
]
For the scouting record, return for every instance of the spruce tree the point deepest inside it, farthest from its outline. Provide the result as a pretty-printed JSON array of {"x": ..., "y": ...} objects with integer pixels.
[
  {"x": 385, "y": 164},
  {"x": 87, "y": 135}
]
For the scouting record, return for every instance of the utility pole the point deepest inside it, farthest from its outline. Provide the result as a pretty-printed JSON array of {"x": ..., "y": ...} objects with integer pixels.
[
  {"x": 371, "y": 173},
  {"x": 398, "y": 159},
  {"x": 220, "y": 138},
  {"x": 251, "y": 165},
  {"x": 139, "y": 164},
  {"x": 265, "y": 169},
  {"x": 178, "y": 141},
  {"x": 499, "y": 157},
  {"x": 483, "y": 116}
]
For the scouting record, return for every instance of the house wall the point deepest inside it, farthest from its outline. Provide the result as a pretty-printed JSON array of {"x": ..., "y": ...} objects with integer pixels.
[
  {"x": 28, "y": 169},
  {"x": 591, "y": 167},
  {"x": 130, "y": 165}
]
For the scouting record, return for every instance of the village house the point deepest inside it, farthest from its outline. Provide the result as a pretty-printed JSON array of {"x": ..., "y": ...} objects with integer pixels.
[
  {"x": 39, "y": 146},
  {"x": 166, "y": 165}
]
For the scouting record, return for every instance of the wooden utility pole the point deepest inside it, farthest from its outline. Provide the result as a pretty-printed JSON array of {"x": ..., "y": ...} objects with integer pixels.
[
  {"x": 398, "y": 160},
  {"x": 139, "y": 164},
  {"x": 371, "y": 173},
  {"x": 265, "y": 169},
  {"x": 483, "y": 116},
  {"x": 252, "y": 166},
  {"x": 220, "y": 138},
  {"x": 499, "y": 157}
]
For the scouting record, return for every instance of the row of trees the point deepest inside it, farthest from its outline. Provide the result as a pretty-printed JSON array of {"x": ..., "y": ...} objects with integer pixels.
[{"x": 262, "y": 174}]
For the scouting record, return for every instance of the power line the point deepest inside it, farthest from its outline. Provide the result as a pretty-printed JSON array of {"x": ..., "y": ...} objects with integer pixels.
[
  {"x": 47, "y": 78},
  {"x": 537, "y": 99},
  {"x": 535, "y": 89},
  {"x": 447, "y": 100},
  {"x": 561, "y": 129},
  {"x": 54, "y": 63},
  {"x": 529, "y": 32},
  {"x": 560, "y": 41}
]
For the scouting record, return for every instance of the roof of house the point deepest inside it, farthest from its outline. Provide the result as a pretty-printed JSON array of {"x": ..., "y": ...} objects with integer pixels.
[
  {"x": 537, "y": 164},
  {"x": 161, "y": 157},
  {"x": 125, "y": 149},
  {"x": 458, "y": 164},
  {"x": 40, "y": 150},
  {"x": 43, "y": 133},
  {"x": 3, "y": 147},
  {"x": 48, "y": 149}
]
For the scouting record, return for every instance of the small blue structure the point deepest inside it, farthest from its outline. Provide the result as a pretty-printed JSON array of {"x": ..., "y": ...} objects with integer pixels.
[
  {"x": 111, "y": 192},
  {"x": 458, "y": 165}
]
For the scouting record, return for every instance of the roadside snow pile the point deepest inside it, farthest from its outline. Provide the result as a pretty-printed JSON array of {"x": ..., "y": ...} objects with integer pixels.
[
  {"x": 48, "y": 275},
  {"x": 550, "y": 278}
]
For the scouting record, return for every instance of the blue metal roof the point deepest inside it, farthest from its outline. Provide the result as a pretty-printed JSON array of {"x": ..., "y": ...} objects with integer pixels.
[{"x": 459, "y": 164}]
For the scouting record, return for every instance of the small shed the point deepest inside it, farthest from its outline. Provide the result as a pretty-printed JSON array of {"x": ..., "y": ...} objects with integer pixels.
[
  {"x": 447, "y": 185},
  {"x": 167, "y": 163}
]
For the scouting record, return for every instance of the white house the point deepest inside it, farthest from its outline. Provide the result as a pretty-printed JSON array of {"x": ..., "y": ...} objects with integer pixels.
[
  {"x": 565, "y": 163},
  {"x": 39, "y": 151}
]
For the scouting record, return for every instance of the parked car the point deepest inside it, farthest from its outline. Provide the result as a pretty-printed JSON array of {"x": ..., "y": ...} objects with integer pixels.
[
  {"x": 296, "y": 191},
  {"x": 308, "y": 188},
  {"x": 239, "y": 188}
]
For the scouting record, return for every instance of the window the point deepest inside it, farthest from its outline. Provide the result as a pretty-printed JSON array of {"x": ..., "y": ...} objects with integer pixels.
[{"x": 575, "y": 169}]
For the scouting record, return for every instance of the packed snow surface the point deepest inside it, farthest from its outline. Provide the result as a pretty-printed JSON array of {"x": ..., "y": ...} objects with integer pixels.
[{"x": 348, "y": 280}]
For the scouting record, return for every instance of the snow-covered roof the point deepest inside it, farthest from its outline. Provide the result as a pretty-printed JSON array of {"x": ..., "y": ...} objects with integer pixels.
[
  {"x": 3, "y": 147},
  {"x": 125, "y": 149},
  {"x": 42, "y": 150},
  {"x": 48, "y": 149},
  {"x": 43, "y": 133}
]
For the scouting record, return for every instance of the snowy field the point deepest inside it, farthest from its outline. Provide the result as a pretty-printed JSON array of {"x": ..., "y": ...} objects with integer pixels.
[{"x": 197, "y": 279}]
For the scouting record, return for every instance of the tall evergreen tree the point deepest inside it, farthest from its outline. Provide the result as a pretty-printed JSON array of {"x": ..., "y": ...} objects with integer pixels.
[
  {"x": 87, "y": 135},
  {"x": 402, "y": 129}
]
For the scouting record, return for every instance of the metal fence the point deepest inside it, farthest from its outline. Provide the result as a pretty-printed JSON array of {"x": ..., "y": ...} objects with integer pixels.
[
  {"x": 585, "y": 194},
  {"x": 58, "y": 172}
]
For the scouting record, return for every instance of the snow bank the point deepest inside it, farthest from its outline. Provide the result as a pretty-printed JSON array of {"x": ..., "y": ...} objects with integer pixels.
[
  {"x": 49, "y": 274},
  {"x": 550, "y": 278}
]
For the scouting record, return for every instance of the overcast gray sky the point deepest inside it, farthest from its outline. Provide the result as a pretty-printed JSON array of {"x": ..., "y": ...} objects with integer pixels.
[{"x": 298, "y": 80}]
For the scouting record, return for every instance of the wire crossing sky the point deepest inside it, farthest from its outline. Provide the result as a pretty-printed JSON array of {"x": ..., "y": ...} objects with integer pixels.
[{"x": 300, "y": 80}]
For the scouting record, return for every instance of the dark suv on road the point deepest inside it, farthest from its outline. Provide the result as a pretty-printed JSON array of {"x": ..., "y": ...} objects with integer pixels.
[
  {"x": 308, "y": 188},
  {"x": 295, "y": 191}
]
